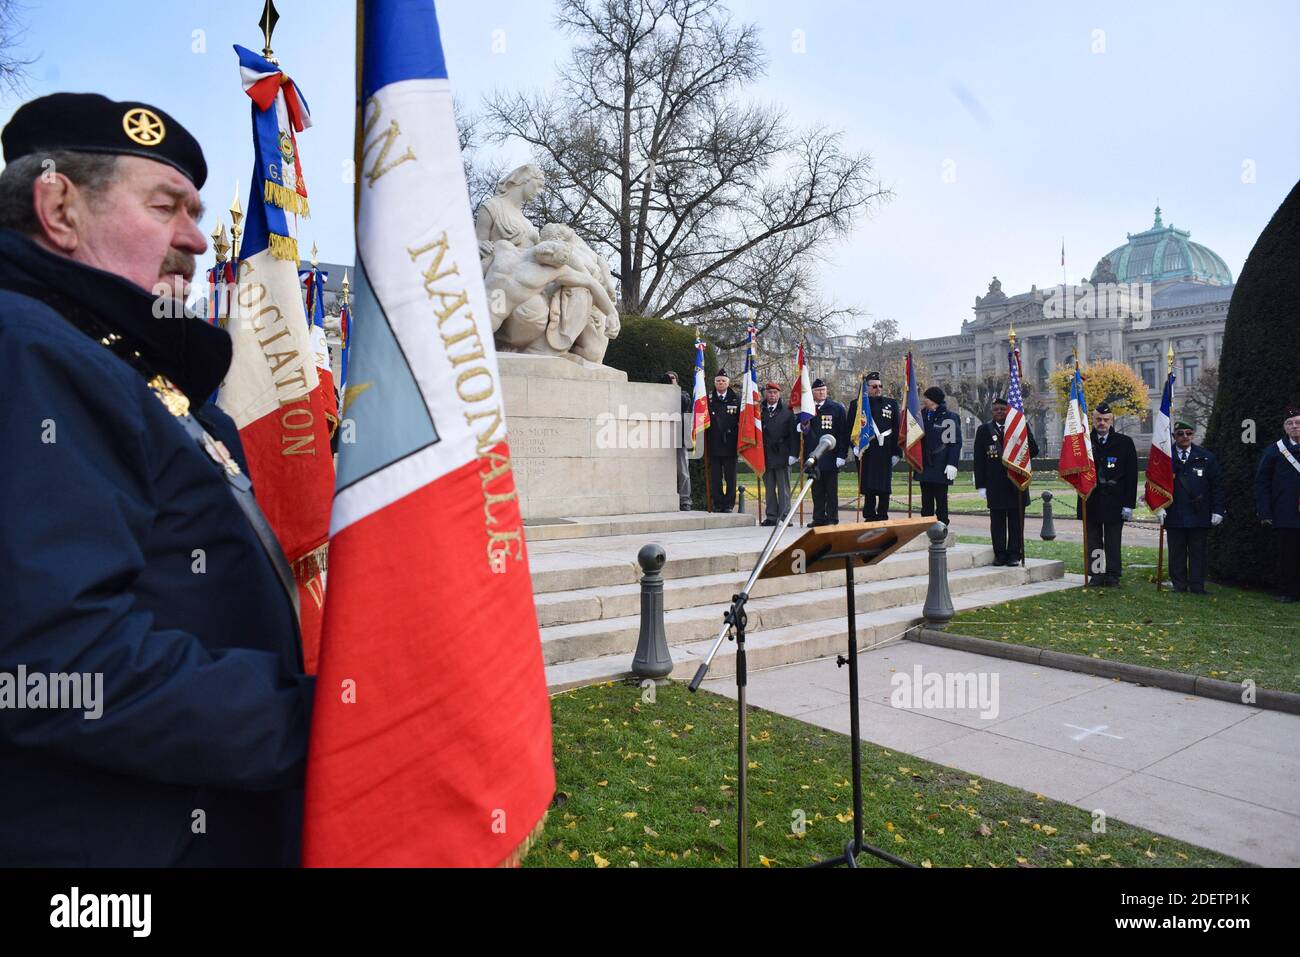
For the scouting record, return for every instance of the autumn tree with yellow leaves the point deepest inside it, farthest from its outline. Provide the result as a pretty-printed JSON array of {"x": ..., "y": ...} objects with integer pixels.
[{"x": 1111, "y": 382}]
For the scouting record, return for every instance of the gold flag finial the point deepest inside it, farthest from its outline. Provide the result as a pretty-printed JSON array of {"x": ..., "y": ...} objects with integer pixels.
[
  {"x": 219, "y": 241},
  {"x": 270, "y": 17},
  {"x": 313, "y": 256},
  {"x": 345, "y": 287},
  {"x": 236, "y": 217},
  {"x": 1011, "y": 334},
  {"x": 1171, "y": 357}
]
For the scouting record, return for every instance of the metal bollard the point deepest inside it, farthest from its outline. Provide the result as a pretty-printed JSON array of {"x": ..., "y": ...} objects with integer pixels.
[
  {"x": 938, "y": 610},
  {"x": 652, "y": 659},
  {"x": 1049, "y": 527},
  {"x": 741, "y": 500}
]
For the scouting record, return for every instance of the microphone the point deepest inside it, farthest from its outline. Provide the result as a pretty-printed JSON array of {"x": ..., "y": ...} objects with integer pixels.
[{"x": 825, "y": 445}]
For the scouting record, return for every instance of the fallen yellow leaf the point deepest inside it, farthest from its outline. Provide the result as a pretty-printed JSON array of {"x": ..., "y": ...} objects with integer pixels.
[{"x": 600, "y": 861}]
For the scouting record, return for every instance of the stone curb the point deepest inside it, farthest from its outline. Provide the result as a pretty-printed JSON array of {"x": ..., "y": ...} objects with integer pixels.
[{"x": 1286, "y": 701}]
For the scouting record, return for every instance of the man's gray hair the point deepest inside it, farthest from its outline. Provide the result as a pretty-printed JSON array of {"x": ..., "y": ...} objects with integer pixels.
[{"x": 93, "y": 172}]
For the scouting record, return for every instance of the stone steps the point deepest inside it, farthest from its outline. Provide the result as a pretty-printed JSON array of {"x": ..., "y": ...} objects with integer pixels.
[
  {"x": 613, "y": 636},
  {"x": 586, "y": 604},
  {"x": 803, "y": 641}
]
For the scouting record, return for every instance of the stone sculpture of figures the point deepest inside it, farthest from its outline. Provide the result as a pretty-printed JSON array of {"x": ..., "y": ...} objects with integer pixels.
[{"x": 549, "y": 292}]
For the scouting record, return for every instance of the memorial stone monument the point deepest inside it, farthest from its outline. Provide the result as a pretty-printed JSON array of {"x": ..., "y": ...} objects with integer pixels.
[{"x": 584, "y": 441}]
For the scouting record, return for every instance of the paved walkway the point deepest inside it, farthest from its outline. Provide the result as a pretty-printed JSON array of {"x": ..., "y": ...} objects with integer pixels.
[{"x": 1219, "y": 775}]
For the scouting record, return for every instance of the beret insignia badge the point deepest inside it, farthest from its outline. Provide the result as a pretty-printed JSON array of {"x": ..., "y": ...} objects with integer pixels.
[{"x": 143, "y": 126}]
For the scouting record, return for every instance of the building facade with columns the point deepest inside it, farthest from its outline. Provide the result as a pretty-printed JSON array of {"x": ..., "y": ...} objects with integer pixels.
[{"x": 1158, "y": 290}]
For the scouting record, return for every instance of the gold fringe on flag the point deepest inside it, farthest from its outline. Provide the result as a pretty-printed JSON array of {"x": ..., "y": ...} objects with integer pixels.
[
  {"x": 309, "y": 571},
  {"x": 519, "y": 853},
  {"x": 283, "y": 247},
  {"x": 287, "y": 199}
]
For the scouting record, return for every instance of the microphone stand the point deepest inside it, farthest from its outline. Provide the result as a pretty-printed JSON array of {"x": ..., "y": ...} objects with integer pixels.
[{"x": 733, "y": 627}]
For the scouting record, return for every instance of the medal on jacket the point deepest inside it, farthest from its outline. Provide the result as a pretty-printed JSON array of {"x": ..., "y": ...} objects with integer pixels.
[{"x": 178, "y": 404}]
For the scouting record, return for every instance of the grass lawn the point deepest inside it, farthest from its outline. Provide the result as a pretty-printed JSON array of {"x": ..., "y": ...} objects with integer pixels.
[
  {"x": 652, "y": 784},
  {"x": 1232, "y": 633}
]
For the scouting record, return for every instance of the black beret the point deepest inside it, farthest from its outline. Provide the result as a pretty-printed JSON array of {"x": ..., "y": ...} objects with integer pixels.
[
  {"x": 935, "y": 394},
  {"x": 721, "y": 372},
  {"x": 90, "y": 123},
  {"x": 873, "y": 376},
  {"x": 1292, "y": 411},
  {"x": 1001, "y": 400},
  {"x": 818, "y": 384},
  {"x": 1103, "y": 408}
]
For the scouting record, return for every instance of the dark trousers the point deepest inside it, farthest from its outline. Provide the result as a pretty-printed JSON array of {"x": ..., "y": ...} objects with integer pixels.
[
  {"x": 934, "y": 500},
  {"x": 720, "y": 468},
  {"x": 1008, "y": 534},
  {"x": 1288, "y": 561},
  {"x": 826, "y": 497},
  {"x": 1104, "y": 537},
  {"x": 875, "y": 506},
  {"x": 1187, "y": 556},
  {"x": 776, "y": 485}
]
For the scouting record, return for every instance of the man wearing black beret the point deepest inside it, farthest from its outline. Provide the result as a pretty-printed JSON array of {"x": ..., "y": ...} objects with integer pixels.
[
  {"x": 137, "y": 567},
  {"x": 1199, "y": 503},
  {"x": 1112, "y": 502},
  {"x": 941, "y": 450},
  {"x": 1004, "y": 497},
  {"x": 829, "y": 418},
  {"x": 720, "y": 442}
]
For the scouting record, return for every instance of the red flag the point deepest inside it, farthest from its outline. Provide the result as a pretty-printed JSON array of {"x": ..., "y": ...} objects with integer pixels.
[
  {"x": 1076, "y": 465},
  {"x": 1159, "y": 490},
  {"x": 749, "y": 440}
]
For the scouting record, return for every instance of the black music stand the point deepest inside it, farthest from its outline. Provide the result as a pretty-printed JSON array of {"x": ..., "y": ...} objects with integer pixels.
[{"x": 826, "y": 548}]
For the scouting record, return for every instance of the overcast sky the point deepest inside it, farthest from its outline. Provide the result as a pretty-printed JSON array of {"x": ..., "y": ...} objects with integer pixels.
[{"x": 1003, "y": 128}]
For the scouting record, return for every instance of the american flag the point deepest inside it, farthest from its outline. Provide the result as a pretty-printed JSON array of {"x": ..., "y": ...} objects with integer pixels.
[{"x": 1015, "y": 444}]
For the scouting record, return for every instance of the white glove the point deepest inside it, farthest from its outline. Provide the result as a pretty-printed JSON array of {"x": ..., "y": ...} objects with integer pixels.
[
  {"x": 1160, "y": 515},
  {"x": 1216, "y": 518},
  {"x": 984, "y": 493},
  {"x": 893, "y": 461},
  {"x": 793, "y": 460},
  {"x": 839, "y": 463},
  {"x": 1126, "y": 513},
  {"x": 950, "y": 472}
]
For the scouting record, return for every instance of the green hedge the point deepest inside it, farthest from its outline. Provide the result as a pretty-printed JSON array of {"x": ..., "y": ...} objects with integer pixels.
[
  {"x": 646, "y": 348},
  {"x": 1259, "y": 375}
]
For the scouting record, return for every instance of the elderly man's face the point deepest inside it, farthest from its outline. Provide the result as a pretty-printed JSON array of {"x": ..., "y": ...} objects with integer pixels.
[
  {"x": 819, "y": 394},
  {"x": 773, "y": 395},
  {"x": 143, "y": 227},
  {"x": 1292, "y": 427},
  {"x": 721, "y": 382},
  {"x": 1103, "y": 421}
]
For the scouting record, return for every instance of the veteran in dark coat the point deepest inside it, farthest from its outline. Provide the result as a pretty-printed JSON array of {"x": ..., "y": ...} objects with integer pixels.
[
  {"x": 1004, "y": 497},
  {"x": 1277, "y": 502},
  {"x": 720, "y": 442},
  {"x": 780, "y": 447},
  {"x": 1112, "y": 502},
  {"x": 829, "y": 418},
  {"x": 1199, "y": 503},
  {"x": 876, "y": 462},
  {"x": 129, "y": 562},
  {"x": 941, "y": 450}
]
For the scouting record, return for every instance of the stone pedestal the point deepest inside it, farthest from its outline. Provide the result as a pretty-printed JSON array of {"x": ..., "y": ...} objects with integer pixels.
[{"x": 585, "y": 441}]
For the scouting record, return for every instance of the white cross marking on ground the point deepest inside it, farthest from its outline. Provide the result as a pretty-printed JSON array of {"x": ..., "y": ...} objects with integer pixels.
[{"x": 1100, "y": 729}]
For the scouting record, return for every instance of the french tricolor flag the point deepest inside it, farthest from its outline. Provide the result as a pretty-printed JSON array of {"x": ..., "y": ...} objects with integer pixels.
[
  {"x": 431, "y": 735},
  {"x": 1159, "y": 491}
]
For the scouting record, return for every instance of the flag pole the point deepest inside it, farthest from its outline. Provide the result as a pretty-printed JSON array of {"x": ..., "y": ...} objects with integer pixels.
[
  {"x": 857, "y": 443},
  {"x": 1087, "y": 576},
  {"x": 708, "y": 486},
  {"x": 1160, "y": 554}
]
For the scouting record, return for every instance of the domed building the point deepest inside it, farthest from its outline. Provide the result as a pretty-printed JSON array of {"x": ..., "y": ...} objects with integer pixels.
[
  {"x": 1158, "y": 291},
  {"x": 1162, "y": 253}
]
